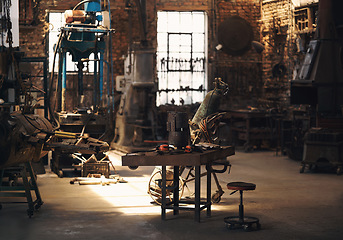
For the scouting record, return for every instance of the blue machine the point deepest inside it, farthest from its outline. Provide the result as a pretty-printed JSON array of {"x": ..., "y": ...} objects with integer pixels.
[{"x": 81, "y": 36}]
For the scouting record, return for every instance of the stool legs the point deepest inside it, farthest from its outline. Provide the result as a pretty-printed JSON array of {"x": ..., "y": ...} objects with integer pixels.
[
  {"x": 241, "y": 207},
  {"x": 240, "y": 221}
]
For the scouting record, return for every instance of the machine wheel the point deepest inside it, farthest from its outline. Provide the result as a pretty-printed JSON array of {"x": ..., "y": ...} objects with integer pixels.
[
  {"x": 302, "y": 168},
  {"x": 339, "y": 170},
  {"x": 13, "y": 183},
  {"x": 31, "y": 181},
  {"x": 248, "y": 147},
  {"x": 155, "y": 190},
  {"x": 38, "y": 205},
  {"x": 247, "y": 227},
  {"x": 258, "y": 226},
  {"x": 217, "y": 196},
  {"x": 229, "y": 226},
  {"x": 29, "y": 213},
  {"x": 60, "y": 173}
]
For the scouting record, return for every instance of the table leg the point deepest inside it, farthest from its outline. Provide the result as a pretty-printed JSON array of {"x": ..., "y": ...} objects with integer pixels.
[
  {"x": 176, "y": 190},
  {"x": 163, "y": 205},
  {"x": 197, "y": 194},
  {"x": 27, "y": 191},
  {"x": 208, "y": 199},
  {"x": 248, "y": 132}
]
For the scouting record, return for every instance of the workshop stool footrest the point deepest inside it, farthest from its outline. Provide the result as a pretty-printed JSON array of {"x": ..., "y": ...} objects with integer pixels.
[{"x": 235, "y": 222}]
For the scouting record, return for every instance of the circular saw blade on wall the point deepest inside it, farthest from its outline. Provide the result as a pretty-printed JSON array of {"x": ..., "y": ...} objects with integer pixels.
[{"x": 235, "y": 35}]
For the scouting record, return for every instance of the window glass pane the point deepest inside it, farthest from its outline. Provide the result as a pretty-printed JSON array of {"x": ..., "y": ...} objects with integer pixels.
[
  {"x": 174, "y": 43},
  {"x": 173, "y": 80},
  {"x": 55, "y": 21},
  {"x": 185, "y": 22},
  {"x": 186, "y": 43},
  {"x": 161, "y": 98},
  {"x": 186, "y": 97},
  {"x": 162, "y": 40},
  {"x": 198, "y": 22},
  {"x": 162, "y": 84},
  {"x": 198, "y": 43},
  {"x": 186, "y": 79},
  {"x": 71, "y": 66},
  {"x": 162, "y": 22},
  {"x": 201, "y": 80},
  {"x": 197, "y": 96},
  {"x": 174, "y": 96},
  {"x": 173, "y": 22},
  {"x": 198, "y": 62}
]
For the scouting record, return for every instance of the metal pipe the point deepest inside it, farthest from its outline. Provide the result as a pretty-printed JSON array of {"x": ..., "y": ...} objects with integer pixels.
[
  {"x": 83, "y": 2},
  {"x": 95, "y": 82},
  {"x": 80, "y": 77},
  {"x": 101, "y": 75},
  {"x": 111, "y": 59},
  {"x": 64, "y": 81}
]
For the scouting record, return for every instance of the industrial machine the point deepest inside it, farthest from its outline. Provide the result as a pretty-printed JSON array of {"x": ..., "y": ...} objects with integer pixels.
[
  {"x": 86, "y": 36},
  {"x": 83, "y": 34},
  {"x": 136, "y": 117},
  {"x": 26, "y": 134},
  {"x": 320, "y": 84},
  {"x": 23, "y": 133}
]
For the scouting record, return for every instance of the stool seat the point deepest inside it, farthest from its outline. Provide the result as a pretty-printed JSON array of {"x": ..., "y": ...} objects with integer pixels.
[{"x": 241, "y": 186}]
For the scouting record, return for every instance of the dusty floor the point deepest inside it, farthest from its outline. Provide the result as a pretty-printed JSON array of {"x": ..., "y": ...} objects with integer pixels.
[{"x": 290, "y": 205}]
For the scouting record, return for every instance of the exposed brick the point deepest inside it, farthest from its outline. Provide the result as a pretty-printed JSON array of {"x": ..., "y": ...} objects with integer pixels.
[{"x": 269, "y": 20}]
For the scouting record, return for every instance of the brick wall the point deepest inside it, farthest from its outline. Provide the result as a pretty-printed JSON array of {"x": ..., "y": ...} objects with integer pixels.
[
  {"x": 249, "y": 76},
  {"x": 277, "y": 34},
  {"x": 242, "y": 73}
]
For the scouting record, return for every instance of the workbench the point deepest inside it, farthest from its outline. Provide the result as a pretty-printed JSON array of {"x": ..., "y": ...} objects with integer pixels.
[
  {"x": 196, "y": 159},
  {"x": 251, "y": 126}
]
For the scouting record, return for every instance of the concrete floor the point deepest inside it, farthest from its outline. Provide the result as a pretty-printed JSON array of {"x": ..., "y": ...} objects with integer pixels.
[{"x": 290, "y": 205}]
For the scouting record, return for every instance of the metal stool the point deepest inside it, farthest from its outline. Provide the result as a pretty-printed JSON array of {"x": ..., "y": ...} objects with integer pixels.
[{"x": 234, "y": 222}]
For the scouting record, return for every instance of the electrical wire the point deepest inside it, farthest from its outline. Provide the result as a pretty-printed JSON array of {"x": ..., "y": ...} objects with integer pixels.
[
  {"x": 207, "y": 124},
  {"x": 83, "y": 2}
]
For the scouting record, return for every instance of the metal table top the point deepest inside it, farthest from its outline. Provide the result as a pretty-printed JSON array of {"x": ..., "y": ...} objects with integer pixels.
[{"x": 180, "y": 159}]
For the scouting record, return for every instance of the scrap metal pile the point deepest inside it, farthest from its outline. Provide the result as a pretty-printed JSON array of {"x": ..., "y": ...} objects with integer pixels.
[{"x": 28, "y": 137}]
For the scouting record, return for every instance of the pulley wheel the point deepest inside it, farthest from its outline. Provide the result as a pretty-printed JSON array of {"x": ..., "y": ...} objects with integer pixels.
[{"x": 235, "y": 35}]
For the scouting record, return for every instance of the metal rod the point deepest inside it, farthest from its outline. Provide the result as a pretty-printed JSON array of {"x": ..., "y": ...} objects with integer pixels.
[
  {"x": 101, "y": 75},
  {"x": 164, "y": 189},
  {"x": 208, "y": 199},
  {"x": 197, "y": 193},
  {"x": 176, "y": 190},
  {"x": 95, "y": 82}
]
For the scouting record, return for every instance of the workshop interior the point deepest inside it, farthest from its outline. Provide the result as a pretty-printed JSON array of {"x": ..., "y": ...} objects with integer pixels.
[{"x": 179, "y": 86}]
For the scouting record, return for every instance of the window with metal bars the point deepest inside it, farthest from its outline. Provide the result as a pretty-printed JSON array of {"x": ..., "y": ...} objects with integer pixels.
[{"x": 181, "y": 57}]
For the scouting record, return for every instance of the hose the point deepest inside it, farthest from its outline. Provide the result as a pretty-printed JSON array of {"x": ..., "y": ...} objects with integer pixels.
[
  {"x": 83, "y": 2},
  {"x": 51, "y": 82}
]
